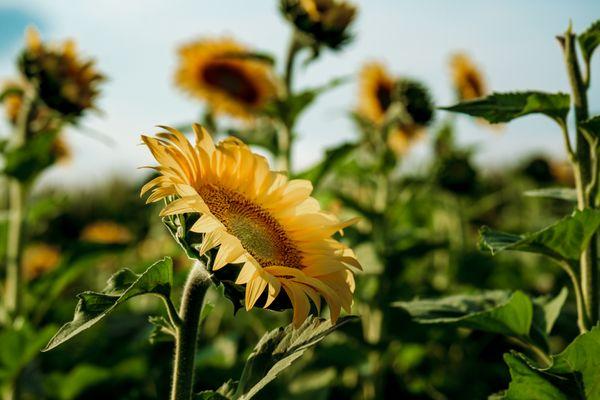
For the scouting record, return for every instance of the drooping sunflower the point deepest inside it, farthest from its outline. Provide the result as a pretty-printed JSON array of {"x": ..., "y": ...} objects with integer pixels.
[
  {"x": 323, "y": 21},
  {"x": 217, "y": 71},
  {"x": 466, "y": 77},
  {"x": 64, "y": 82},
  {"x": 376, "y": 87},
  {"x": 256, "y": 217}
]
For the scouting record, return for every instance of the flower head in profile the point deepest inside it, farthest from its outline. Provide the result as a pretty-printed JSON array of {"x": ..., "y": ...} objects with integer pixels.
[
  {"x": 106, "y": 232},
  {"x": 323, "y": 21},
  {"x": 466, "y": 77},
  {"x": 256, "y": 218},
  {"x": 65, "y": 82},
  {"x": 384, "y": 98},
  {"x": 220, "y": 72}
]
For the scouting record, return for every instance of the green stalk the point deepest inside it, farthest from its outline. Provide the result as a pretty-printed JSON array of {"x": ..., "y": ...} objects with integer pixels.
[
  {"x": 587, "y": 171},
  {"x": 17, "y": 199},
  {"x": 285, "y": 132},
  {"x": 197, "y": 284}
]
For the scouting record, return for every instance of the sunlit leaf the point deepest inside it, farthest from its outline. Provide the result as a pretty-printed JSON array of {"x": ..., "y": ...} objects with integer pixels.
[
  {"x": 122, "y": 286},
  {"x": 564, "y": 240},
  {"x": 504, "y": 107},
  {"x": 572, "y": 374},
  {"x": 278, "y": 349}
]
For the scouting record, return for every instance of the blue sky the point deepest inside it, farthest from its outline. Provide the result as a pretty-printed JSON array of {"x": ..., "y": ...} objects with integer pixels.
[{"x": 134, "y": 42}]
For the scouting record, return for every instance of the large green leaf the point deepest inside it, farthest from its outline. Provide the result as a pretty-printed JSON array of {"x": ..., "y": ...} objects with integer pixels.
[
  {"x": 494, "y": 311},
  {"x": 122, "y": 286},
  {"x": 589, "y": 40},
  {"x": 278, "y": 349},
  {"x": 572, "y": 374},
  {"x": 504, "y": 107},
  {"x": 507, "y": 313},
  {"x": 564, "y": 240}
]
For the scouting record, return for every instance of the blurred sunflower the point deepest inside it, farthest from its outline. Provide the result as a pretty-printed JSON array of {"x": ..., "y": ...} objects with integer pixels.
[
  {"x": 255, "y": 217},
  {"x": 39, "y": 258},
  {"x": 467, "y": 79},
  {"x": 379, "y": 91},
  {"x": 323, "y": 21},
  {"x": 64, "y": 82},
  {"x": 216, "y": 70},
  {"x": 106, "y": 232}
]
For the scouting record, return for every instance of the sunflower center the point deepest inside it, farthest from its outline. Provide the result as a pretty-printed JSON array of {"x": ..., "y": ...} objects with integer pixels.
[
  {"x": 231, "y": 80},
  {"x": 260, "y": 234},
  {"x": 384, "y": 96}
]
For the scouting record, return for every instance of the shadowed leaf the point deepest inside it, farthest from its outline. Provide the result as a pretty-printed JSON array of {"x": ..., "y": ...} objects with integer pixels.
[{"x": 122, "y": 286}]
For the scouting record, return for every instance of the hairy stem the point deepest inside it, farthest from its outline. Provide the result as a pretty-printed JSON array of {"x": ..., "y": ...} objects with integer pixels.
[
  {"x": 587, "y": 163},
  {"x": 195, "y": 289}
]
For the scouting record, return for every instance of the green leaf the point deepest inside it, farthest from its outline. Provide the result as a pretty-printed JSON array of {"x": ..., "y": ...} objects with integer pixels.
[
  {"x": 527, "y": 384},
  {"x": 564, "y": 240},
  {"x": 504, "y": 107},
  {"x": 162, "y": 330},
  {"x": 494, "y": 311},
  {"x": 591, "y": 127},
  {"x": 547, "y": 309},
  {"x": 25, "y": 163},
  {"x": 568, "y": 194},
  {"x": 278, "y": 349},
  {"x": 572, "y": 374},
  {"x": 333, "y": 156},
  {"x": 589, "y": 40},
  {"x": 122, "y": 286}
]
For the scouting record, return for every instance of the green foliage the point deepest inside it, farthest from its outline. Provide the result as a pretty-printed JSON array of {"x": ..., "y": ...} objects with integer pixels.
[
  {"x": 25, "y": 163},
  {"x": 592, "y": 127},
  {"x": 565, "y": 240},
  {"x": 504, "y": 107},
  {"x": 122, "y": 286},
  {"x": 278, "y": 349},
  {"x": 589, "y": 40},
  {"x": 333, "y": 157},
  {"x": 503, "y": 312},
  {"x": 18, "y": 346},
  {"x": 572, "y": 374}
]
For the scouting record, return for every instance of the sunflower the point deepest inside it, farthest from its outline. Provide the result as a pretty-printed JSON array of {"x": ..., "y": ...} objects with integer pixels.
[
  {"x": 257, "y": 218},
  {"x": 378, "y": 91},
  {"x": 467, "y": 79},
  {"x": 106, "y": 232},
  {"x": 39, "y": 258},
  {"x": 323, "y": 21},
  {"x": 64, "y": 82},
  {"x": 376, "y": 87},
  {"x": 216, "y": 70}
]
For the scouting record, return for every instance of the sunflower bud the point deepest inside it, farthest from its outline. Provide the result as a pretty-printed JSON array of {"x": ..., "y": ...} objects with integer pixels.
[
  {"x": 64, "y": 82},
  {"x": 456, "y": 174},
  {"x": 416, "y": 100},
  {"x": 324, "y": 22}
]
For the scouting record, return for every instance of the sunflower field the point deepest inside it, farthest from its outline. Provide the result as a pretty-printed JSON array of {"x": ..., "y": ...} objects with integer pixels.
[{"x": 200, "y": 213}]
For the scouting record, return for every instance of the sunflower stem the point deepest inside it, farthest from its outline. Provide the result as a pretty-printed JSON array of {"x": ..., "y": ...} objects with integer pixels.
[
  {"x": 197, "y": 284},
  {"x": 17, "y": 197},
  {"x": 586, "y": 156}
]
